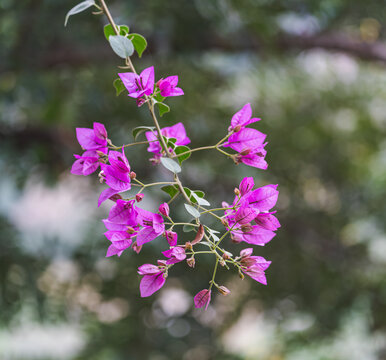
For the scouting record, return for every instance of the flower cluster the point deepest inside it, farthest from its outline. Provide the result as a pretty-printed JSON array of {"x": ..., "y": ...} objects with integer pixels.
[
  {"x": 142, "y": 85},
  {"x": 249, "y": 219},
  {"x": 248, "y": 142}
]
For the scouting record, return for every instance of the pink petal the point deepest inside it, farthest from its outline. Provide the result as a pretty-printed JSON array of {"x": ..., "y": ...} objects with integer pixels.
[
  {"x": 148, "y": 269},
  {"x": 150, "y": 284},
  {"x": 106, "y": 194},
  {"x": 264, "y": 198},
  {"x": 202, "y": 299}
]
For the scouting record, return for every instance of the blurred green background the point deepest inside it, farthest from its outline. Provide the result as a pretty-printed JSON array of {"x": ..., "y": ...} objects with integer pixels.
[{"x": 314, "y": 71}]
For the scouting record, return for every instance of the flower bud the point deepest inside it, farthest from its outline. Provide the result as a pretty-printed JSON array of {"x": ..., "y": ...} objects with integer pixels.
[
  {"x": 161, "y": 263},
  {"x": 188, "y": 246},
  {"x": 226, "y": 256},
  {"x": 191, "y": 262},
  {"x": 139, "y": 197},
  {"x": 224, "y": 290},
  {"x": 130, "y": 230},
  {"x": 222, "y": 262},
  {"x": 241, "y": 275},
  {"x": 101, "y": 177},
  {"x": 133, "y": 175},
  {"x": 235, "y": 240},
  {"x": 164, "y": 209},
  {"x": 236, "y": 191},
  {"x": 245, "y": 152},
  {"x": 246, "y": 228},
  {"x": 115, "y": 197},
  {"x": 237, "y": 128}
]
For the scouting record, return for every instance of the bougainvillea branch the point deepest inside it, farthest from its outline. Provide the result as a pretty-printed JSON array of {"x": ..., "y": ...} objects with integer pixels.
[{"x": 249, "y": 218}]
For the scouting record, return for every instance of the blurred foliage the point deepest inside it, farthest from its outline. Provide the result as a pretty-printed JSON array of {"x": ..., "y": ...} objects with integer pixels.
[{"x": 325, "y": 116}]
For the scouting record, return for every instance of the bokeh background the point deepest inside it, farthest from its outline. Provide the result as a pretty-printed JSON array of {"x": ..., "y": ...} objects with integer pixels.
[{"x": 313, "y": 70}]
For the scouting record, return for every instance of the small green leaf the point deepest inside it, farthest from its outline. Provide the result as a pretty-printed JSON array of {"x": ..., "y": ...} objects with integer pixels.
[
  {"x": 171, "y": 165},
  {"x": 188, "y": 228},
  {"x": 182, "y": 149},
  {"x": 119, "y": 87},
  {"x": 163, "y": 108},
  {"x": 199, "y": 193},
  {"x": 159, "y": 98},
  {"x": 171, "y": 190},
  {"x": 79, "y": 8},
  {"x": 192, "y": 210},
  {"x": 188, "y": 192},
  {"x": 140, "y": 129},
  {"x": 139, "y": 43},
  {"x": 121, "y": 45},
  {"x": 170, "y": 142},
  {"x": 109, "y": 30}
]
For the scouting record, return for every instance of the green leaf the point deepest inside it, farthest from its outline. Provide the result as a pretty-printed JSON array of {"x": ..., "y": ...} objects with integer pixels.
[
  {"x": 199, "y": 193},
  {"x": 109, "y": 30},
  {"x": 188, "y": 192},
  {"x": 140, "y": 129},
  {"x": 79, "y": 8},
  {"x": 163, "y": 108},
  {"x": 188, "y": 228},
  {"x": 170, "y": 142},
  {"x": 202, "y": 202},
  {"x": 159, "y": 98},
  {"x": 139, "y": 43},
  {"x": 172, "y": 190},
  {"x": 171, "y": 165},
  {"x": 180, "y": 150},
  {"x": 121, "y": 45},
  {"x": 119, "y": 87},
  {"x": 192, "y": 210}
]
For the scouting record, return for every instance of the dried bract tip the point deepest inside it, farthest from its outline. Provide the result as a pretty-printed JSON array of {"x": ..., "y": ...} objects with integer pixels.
[
  {"x": 199, "y": 235},
  {"x": 188, "y": 245}
]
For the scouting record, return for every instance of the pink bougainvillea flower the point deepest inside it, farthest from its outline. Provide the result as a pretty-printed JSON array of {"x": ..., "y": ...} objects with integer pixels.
[
  {"x": 246, "y": 139},
  {"x": 242, "y": 118},
  {"x": 153, "y": 279},
  {"x": 171, "y": 237},
  {"x": 263, "y": 198},
  {"x": 252, "y": 157},
  {"x": 168, "y": 86},
  {"x": 252, "y": 234},
  {"x": 252, "y": 205},
  {"x": 85, "y": 164},
  {"x": 246, "y": 185},
  {"x": 122, "y": 226},
  {"x": 93, "y": 139},
  {"x": 267, "y": 221},
  {"x": 139, "y": 85},
  {"x": 116, "y": 175},
  {"x": 153, "y": 226},
  {"x": 174, "y": 255},
  {"x": 202, "y": 298},
  {"x": 254, "y": 266},
  {"x": 164, "y": 209},
  {"x": 176, "y": 131}
]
